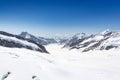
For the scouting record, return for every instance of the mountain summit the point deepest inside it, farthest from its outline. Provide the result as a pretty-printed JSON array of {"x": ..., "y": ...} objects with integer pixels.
[{"x": 39, "y": 40}]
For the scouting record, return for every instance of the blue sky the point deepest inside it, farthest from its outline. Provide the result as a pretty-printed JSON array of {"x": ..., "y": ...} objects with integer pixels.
[{"x": 59, "y": 16}]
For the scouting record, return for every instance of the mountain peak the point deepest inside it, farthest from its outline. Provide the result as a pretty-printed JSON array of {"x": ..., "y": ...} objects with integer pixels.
[
  {"x": 25, "y": 34},
  {"x": 39, "y": 40},
  {"x": 79, "y": 35},
  {"x": 106, "y": 31}
]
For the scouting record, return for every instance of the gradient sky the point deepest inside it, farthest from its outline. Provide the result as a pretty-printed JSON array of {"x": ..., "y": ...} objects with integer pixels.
[{"x": 59, "y": 16}]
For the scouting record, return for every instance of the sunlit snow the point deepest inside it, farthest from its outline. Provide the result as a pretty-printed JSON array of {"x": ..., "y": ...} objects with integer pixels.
[{"x": 60, "y": 64}]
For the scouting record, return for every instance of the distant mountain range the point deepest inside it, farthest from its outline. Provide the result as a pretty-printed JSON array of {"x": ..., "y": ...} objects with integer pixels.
[
  {"x": 39, "y": 40},
  {"x": 103, "y": 41}
]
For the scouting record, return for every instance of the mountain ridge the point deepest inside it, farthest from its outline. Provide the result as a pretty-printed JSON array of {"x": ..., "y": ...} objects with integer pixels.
[
  {"x": 11, "y": 40},
  {"x": 39, "y": 40},
  {"x": 102, "y": 41}
]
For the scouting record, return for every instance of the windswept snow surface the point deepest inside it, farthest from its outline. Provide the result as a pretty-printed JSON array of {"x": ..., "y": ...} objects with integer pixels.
[{"x": 60, "y": 64}]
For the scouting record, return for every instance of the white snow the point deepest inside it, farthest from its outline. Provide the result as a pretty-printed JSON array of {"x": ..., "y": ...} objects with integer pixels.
[
  {"x": 114, "y": 40},
  {"x": 105, "y": 31},
  {"x": 79, "y": 36},
  {"x": 18, "y": 41},
  {"x": 61, "y": 64},
  {"x": 27, "y": 36},
  {"x": 97, "y": 37}
]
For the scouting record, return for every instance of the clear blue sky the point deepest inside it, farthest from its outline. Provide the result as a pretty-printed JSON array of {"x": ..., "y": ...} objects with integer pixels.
[{"x": 59, "y": 16}]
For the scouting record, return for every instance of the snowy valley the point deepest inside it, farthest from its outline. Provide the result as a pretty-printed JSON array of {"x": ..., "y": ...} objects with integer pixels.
[{"x": 77, "y": 58}]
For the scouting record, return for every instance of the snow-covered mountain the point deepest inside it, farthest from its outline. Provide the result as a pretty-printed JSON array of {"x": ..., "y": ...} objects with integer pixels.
[
  {"x": 79, "y": 37},
  {"x": 19, "y": 63},
  {"x": 102, "y": 41},
  {"x": 39, "y": 40},
  {"x": 15, "y": 41},
  {"x": 61, "y": 64},
  {"x": 61, "y": 40},
  {"x": 105, "y": 40}
]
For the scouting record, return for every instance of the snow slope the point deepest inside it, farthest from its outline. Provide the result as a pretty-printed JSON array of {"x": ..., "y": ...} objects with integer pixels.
[
  {"x": 18, "y": 40},
  {"x": 61, "y": 64},
  {"x": 105, "y": 40},
  {"x": 15, "y": 41}
]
